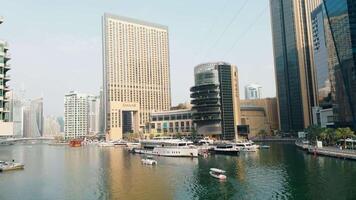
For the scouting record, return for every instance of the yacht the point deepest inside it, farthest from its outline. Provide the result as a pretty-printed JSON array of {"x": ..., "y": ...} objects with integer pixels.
[
  {"x": 246, "y": 146},
  {"x": 226, "y": 148},
  {"x": 168, "y": 146}
]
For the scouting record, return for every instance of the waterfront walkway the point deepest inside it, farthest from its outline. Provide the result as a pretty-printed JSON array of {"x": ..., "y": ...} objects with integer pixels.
[{"x": 328, "y": 151}]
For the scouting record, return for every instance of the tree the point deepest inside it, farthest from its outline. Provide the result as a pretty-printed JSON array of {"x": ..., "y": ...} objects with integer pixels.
[
  {"x": 314, "y": 132},
  {"x": 344, "y": 133},
  {"x": 330, "y": 135}
]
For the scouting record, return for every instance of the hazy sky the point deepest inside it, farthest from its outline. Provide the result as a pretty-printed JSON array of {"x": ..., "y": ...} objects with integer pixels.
[{"x": 56, "y": 45}]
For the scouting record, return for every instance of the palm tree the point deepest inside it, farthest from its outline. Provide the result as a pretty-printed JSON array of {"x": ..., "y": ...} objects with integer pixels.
[
  {"x": 344, "y": 133},
  {"x": 330, "y": 135},
  {"x": 314, "y": 132}
]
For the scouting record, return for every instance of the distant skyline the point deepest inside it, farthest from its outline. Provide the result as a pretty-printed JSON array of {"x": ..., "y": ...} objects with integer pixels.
[{"x": 56, "y": 45}]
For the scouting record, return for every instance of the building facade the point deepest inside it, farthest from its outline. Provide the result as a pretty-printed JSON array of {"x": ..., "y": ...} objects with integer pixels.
[
  {"x": 51, "y": 126},
  {"x": 173, "y": 122},
  {"x": 340, "y": 18},
  {"x": 94, "y": 104},
  {"x": 270, "y": 110},
  {"x": 215, "y": 100},
  {"x": 293, "y": 58},
  {"x": 255, "y": 117},
  {"x": 136, "y": 72},
  {"x": 76, "y": 119},
  {"x": 33, "y": 122},
  {"x": 253, "y": 91},
  {"x": 6, "y": 127}
]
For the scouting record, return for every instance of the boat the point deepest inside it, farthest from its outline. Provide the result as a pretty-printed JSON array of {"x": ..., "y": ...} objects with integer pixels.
[
  {"x": 7, "y": 166},
  {"x": 206, "y": 141},
  {"x": 148, "y": 161},
  {"x": 218, "y": 173},
  {"x": 168, "y": 146},
  {"x": 264, "y": 146},
  {"x": 75, "y": 143},
  {"x": 246, "y": 146},
  {"x": 226, "y": 149},
  {"x": 106, "y": 144},
  {"x": 119, "y": 143},
  {"x": 131, "y": 146}
]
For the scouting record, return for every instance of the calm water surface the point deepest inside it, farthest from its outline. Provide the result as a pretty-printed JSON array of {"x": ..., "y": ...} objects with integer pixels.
[{"x": 282, "y": 172}]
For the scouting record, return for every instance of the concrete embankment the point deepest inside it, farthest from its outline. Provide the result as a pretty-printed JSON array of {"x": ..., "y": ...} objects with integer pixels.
[{"x": 328, "y": 151}]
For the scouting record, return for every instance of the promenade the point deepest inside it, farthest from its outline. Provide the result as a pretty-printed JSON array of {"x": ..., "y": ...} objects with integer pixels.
[{"x": 328, "y": 151}]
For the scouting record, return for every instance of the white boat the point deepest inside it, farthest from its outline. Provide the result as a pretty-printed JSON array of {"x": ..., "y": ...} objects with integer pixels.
[
  {"x": 246, "y": 146},
  {"x": 218, "y": 173},
  {"x": 206, "y": 141},
  {"x": 148, "y": 161},
  {"x": 106, "y": 144},
  {"x": 131, "y": 146},
  {"x": 167, "y": 146},
  {"x": 226, "y": 149},
  {"x": 119, "y": 143},
  {"x": 7, "y": 166}
]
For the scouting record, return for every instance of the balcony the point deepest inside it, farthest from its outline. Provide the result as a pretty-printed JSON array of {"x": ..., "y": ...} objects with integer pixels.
[
  {"x": 7, "y": 56},
  {"x": 6, "y": 78},
  {"x": 7, "y": 67}
]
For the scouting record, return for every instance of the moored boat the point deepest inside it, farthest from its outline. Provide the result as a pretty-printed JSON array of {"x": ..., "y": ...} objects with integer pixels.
[
  {"x": 246, "y": 146},
  {"x": 226, "y": 149},
  {"x": 7, "y": 166},
  {"x": 75, "y": 143}
]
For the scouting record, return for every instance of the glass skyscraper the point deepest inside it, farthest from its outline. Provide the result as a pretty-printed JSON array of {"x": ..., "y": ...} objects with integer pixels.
[
  {"x": 341, "y": 20},
  {"x": 295, "y": 77}
]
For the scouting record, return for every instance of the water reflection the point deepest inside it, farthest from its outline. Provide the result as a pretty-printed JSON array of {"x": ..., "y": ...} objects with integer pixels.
[{"x": 282, "y": 172}]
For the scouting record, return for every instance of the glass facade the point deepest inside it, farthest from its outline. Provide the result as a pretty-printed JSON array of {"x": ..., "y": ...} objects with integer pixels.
[
  {"x": 341, "y": 17},
  {"x": 286, "y": 65}
]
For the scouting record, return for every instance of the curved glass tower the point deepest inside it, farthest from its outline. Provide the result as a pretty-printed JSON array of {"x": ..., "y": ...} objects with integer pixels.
[{"x": 215, "y": 100}]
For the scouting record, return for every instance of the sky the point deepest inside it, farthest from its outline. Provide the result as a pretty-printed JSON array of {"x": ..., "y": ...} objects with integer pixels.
[{"x": 56, "y": 45}]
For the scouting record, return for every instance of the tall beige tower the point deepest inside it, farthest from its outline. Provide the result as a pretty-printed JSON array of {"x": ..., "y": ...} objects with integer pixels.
[{"x": 136, "y": 73}]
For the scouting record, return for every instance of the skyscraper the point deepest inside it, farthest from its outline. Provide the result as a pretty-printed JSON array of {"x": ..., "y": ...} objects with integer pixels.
[
  {"x": 94, "y": 114},
  {"x": 253, "y": 91},
  {"x": 293, "y": 58},
  {"x": 136, "y": 72},
  {"x": 338, "y": 21},
  {"x": 6, "y": 127},
  {"x": 33, "y": 118},
  {"x": 76, "y": 124},
  {"x": 215, "y": 99}
]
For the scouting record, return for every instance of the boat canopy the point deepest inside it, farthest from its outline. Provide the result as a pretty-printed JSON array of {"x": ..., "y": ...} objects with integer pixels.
[{"x": 217, "y": 170}]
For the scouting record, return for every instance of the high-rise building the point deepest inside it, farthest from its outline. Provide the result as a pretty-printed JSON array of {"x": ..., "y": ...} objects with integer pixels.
[
  {"x": 293, "y": 58},
  {"x": 51, "y": 126},
  {"x": 33, "y": 118},
  {"x": 6, "y": 127},
  {"x": 16, "y": 113},
  {"x": 94, "y": 114},
  {"x": 136, "y": 72},
  {"x": 76, "y": 119},
  {"x": 215, "y": 100},
  {"x": 334, "y": 28},
  {"x": 253, "y": 91},
  {"x": 60, "y": 121}
]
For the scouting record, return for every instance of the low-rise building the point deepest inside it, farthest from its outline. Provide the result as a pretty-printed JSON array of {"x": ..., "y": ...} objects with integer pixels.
[
  {"x": 260, "y": 114},
  {"x": 173, "y": 122}
]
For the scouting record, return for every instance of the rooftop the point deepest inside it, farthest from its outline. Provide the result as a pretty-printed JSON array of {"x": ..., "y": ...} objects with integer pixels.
[{"x": 135, "y": 21}]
